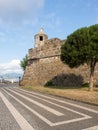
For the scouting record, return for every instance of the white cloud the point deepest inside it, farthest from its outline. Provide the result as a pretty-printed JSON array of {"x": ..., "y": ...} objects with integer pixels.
[
  {"x": 18, "y": 10},
  {"x": 11, "y": 67}
]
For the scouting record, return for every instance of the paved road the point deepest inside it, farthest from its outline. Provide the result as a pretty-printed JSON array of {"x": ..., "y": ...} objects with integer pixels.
[{"x": 24, "y": 110}]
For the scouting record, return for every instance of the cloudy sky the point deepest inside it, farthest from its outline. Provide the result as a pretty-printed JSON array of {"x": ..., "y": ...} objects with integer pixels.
[{"x": 20, "y": 20}]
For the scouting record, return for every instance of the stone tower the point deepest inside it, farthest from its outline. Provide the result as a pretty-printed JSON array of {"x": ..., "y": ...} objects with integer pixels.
[
  {"x": 40, "y": 38},
  {"x": 45, "y": 65}
]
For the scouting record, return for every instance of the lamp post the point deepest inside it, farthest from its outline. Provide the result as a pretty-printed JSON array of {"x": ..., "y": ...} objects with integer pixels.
[{"x": 19, "y": 80}]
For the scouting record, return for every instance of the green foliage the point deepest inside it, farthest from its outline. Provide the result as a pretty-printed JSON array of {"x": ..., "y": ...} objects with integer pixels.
[
  {"x": 82, "y": 47},
  {"x": 85, "y": 85},
  {"x": 23, "y": 62},
  {"x": 73, "y": 51},
  {"x": 49, "y": 83}
]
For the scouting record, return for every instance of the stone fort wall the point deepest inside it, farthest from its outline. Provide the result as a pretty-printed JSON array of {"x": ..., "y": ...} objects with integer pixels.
[{"x": 44, "y": 64}]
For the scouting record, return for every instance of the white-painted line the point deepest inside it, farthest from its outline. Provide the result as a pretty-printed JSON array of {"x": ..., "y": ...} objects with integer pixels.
[
  {"x": 39, "y": 104},
  {"x": 70, "y": 121},
  {"x": 66, "y": 108},
  {"x": 92, "y": 128},
  {"x": 30, "y": 109},
  {"x": 43, "y": 118},
  {"x": 24, "y": 125},
  {"x": 65, "y": 102}
]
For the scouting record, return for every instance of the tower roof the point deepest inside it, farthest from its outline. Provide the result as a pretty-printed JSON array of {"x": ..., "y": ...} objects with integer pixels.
[{"x": 41, "y": 30}]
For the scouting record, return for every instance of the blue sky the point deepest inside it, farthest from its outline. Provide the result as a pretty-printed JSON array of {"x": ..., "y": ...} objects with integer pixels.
[{"x": 20, "y": 20}]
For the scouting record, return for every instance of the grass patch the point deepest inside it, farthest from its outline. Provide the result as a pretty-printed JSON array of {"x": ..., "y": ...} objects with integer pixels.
[{"x": 75, "y": 93}]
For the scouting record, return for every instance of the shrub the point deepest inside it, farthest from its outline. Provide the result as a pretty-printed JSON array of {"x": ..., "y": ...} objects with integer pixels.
[
  {"x": 85, "y": 85},
  {"x": 49, "y": 83}
]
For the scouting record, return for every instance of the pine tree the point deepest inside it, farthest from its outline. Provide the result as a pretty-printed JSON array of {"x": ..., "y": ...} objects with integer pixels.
[{"x": 82, "y": 47}]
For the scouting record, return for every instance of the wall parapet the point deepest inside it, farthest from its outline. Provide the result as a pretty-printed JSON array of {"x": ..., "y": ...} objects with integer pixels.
[{"x": 51, "y": 47}]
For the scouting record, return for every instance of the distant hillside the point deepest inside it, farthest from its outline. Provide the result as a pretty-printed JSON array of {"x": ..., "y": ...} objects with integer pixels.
[{"x": 11, "y": 76}]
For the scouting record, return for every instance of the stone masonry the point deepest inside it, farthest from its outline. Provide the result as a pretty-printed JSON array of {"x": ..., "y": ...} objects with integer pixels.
[{"x": 44, "y": 65}]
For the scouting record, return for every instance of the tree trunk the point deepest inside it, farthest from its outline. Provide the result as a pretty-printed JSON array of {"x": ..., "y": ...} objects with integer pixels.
[{"x": 91, "y": 80}]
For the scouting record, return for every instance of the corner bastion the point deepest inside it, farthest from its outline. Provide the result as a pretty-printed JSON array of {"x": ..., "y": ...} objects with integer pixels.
[{"x": 44, "y": 65}]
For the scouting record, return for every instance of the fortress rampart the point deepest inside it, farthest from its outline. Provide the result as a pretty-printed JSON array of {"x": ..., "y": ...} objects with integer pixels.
[{"x": 44, "y": 65}]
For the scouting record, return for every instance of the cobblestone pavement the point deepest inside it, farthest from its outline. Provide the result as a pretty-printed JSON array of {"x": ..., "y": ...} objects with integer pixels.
[{"x": 24, "y": 110}]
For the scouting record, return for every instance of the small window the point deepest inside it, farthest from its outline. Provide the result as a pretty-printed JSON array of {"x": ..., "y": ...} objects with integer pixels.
[{"x": 41, "y": 38}]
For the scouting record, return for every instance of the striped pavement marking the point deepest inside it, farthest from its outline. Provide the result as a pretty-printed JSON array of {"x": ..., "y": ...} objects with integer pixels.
[
  {"x": 65, "y": 102},
  {"x": 30, "y": 109},
  {"x": 40, "y": 105},
  {"x": 45, "y": 119},
  {"x": 66, "y": 108},
  {"x": 92, "y": 128},
  {"x": 24, "y": 125}
]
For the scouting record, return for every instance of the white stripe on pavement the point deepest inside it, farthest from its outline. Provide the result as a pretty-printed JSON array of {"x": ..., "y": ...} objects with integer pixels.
[
  {"x": 66, "y": 108},
  {"x": 24, "y": 125},
  {"x": 33, "y": 111},
  {"x": 43, "y": 118},
  {"x": 39, "y": 104},
  {"x": 92, "y": 128},
  {"x": 65, "y": 102}
]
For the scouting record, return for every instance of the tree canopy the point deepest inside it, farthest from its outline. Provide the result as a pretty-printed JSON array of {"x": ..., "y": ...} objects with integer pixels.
[
  {"x": 82, "y": 47},
  {"x": 23, "y": 62}
]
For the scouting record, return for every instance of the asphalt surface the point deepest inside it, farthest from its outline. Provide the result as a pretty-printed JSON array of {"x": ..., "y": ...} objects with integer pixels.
[{"x": 24, "y": 110}]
